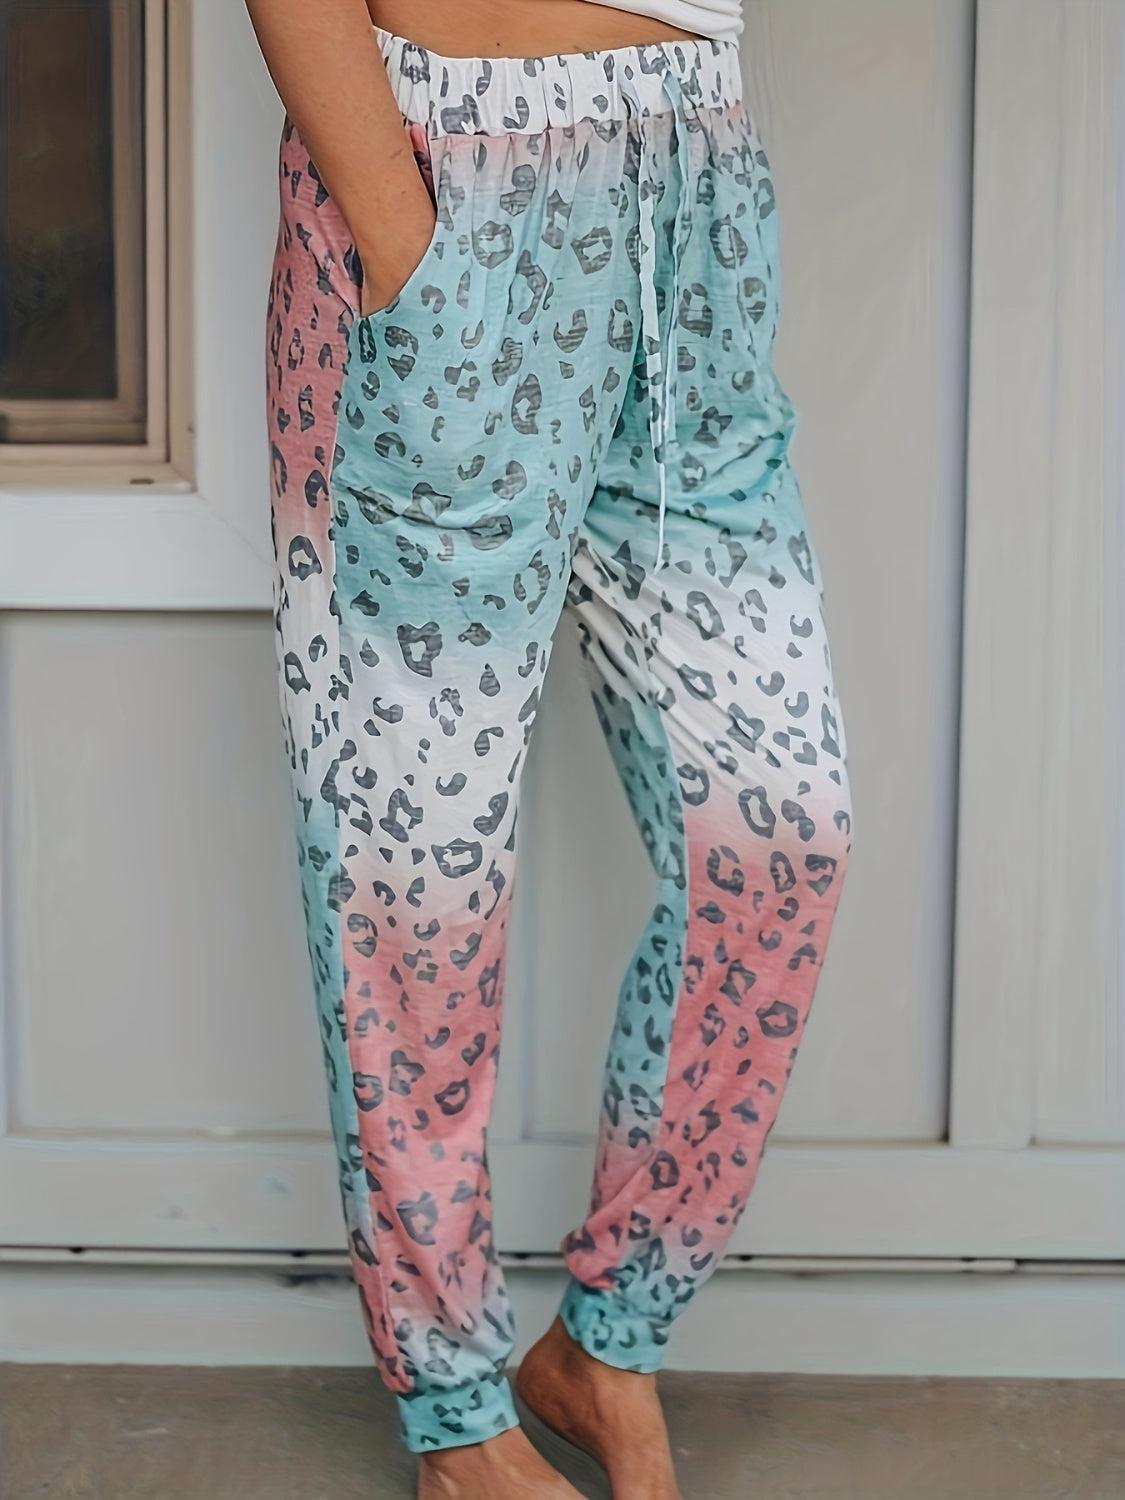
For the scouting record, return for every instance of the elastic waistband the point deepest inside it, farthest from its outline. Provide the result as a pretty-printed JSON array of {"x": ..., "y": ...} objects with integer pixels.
[{"x": 524, "y": 95}]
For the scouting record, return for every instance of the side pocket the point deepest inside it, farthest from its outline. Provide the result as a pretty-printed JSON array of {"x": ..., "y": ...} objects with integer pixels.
[
  {"x": 429, "y": 171},
  {"x": 315, "y": 244},
  {"x": 765, "y": 216}
]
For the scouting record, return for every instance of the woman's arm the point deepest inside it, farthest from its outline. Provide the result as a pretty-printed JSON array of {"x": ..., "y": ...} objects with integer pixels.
[{"x": 325, "y": 63}]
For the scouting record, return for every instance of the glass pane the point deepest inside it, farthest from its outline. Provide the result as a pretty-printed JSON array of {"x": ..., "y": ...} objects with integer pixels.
[{"x": 71, "y": 221}]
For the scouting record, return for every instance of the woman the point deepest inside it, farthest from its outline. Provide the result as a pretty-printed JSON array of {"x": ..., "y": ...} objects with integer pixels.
[{"x": 520, "y": 337}]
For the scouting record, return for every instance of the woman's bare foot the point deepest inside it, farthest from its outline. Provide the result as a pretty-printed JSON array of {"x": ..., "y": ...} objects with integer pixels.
[
  {"x": 613, "y": 1414},
  {"x": 504, "y": 1468}
]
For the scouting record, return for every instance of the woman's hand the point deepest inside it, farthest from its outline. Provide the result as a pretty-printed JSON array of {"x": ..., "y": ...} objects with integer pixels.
[
  {"x": 392, "y": 254},
  {"x": 326, "y": 64}
]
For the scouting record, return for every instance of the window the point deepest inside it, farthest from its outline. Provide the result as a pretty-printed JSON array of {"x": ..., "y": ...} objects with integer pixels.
[{"x": 81, "y": 272}]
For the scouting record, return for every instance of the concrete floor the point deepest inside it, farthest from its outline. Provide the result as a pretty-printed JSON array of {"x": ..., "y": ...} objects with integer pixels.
[{"x": 129, "y": 1432}]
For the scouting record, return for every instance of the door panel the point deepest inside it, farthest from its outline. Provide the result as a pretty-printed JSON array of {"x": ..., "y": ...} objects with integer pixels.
[{"x": 156, "y": 961}]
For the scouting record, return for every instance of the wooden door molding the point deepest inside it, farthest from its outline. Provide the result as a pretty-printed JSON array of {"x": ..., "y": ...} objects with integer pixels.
[{"x": 1039, "y": 826}]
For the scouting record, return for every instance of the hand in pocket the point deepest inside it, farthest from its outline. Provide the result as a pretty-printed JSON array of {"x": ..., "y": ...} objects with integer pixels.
[{"x": 392, "y": 257}]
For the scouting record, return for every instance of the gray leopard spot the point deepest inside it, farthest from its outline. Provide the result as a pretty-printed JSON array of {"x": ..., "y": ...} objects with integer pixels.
[
  {"x": 778, "y": 1019},
  {"x": 390, "y": 713},
  {"x": 419, "y": 1219},
  {"x": 368, "y": 350},
  {"x": 375, "y": 508},
  {"x": 420, "y": 646},
  {"x": 794, "y": 813},
  {"x": 703, "y": 615},
  {"x": 492, "y": 531},
  {"x": 457, "y": 118},
  {"x": 754, "y": 806},
  {"x": 712, "y": 1026},
  {"x": 535, "y": 279},
  {"x": 695, "y": 313},
  {"x": 664, "y": 1171},
  {"x": 571, "y": 340},
  {"x": 426, "y": 504},
  {"x": 713, "y": 423},
  {"x": 518, "y": 200},
  {"x": 822, "y": 867},
  {"x": 728, "y": 245},
  {"x": 594, "y": 250},
  {"x": 743, "y": 730},
  {"x": 557, "y": 219},
  {"x": 414, "y": 63},
  {"x": 279, "y": 470},
  {"x": 620, "y": 334},
  {"x": 461, "y": 958},
  {"x": 739, "y": 981},
  {"x": 830, "y": 731},
  {"x": 801, "y": 553},
  {"x": 489, "y": 986},
  {"x": 508, "y": 361},
  {"x": 458, "y": 858},
  {"x": 498, "y": 806},
  {"x": 526, "y": 405},
  {"x": 475, "y": 1051},
  {"x": 368, "y": 1091},
  {"x": 492, "y": 244},
  {"x": 404, "y": 1073},
  {"x": 695, "y": 785},
  {"x": 295, "y": 679},
  {"x": 453, "y": 1098},
  {"x": 699, "y": 684},
  {"x": 341, "y": 889},
  {"x": 403, "y": 365},
  {"x": 724, "y": 871},
  {"x": 797, "y": 707},
  {"x": 513, "y": 481},
  {"x": 542, "y": 574},
  {"x": 401, "y": 816},
  {"x": 365, "y": 604},
  {"x": 754, "y": 294},
  {"x": 316, "y": 489}
]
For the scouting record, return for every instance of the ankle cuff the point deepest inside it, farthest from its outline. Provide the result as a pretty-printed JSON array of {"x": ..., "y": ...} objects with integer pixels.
[
  {"x": 608, "y": 1329},
  {"x": 457, "y": 1417}
]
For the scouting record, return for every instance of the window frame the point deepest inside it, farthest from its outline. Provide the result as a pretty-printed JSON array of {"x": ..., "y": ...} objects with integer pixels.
[
  {"x": 142, "y": 254},
  {"x": 184, "y": 523}
]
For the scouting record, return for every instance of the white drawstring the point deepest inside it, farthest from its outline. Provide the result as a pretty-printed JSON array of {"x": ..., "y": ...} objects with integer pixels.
[{"x": 660, "y": 367}]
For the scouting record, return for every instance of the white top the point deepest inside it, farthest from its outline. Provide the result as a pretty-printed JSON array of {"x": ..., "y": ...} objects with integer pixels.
[{"x": 721, "y": 20}]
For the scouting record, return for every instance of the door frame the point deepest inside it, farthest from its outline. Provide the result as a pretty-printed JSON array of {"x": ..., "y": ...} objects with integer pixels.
[{"x": 1038, "y": 877}]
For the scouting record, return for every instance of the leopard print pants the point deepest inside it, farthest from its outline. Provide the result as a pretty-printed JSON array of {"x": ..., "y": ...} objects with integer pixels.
[{"x": 571, "y": 405}]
